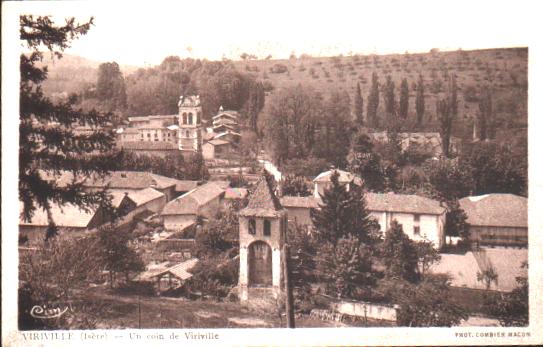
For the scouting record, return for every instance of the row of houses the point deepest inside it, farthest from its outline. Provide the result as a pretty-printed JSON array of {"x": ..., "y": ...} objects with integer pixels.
[
  {"x": 132, "y": 192},
  {"x": 494, "y": 219}
]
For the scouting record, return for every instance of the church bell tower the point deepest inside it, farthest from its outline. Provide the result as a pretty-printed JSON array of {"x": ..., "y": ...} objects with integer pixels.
[{"x": 190, "y": 123}]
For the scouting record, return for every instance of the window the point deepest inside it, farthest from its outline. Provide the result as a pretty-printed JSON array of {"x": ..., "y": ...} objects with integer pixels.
[
  {"x": 267, "y": 227},
  {"x": 190, "y": 118},
  {"x": 416, "y": 218},
  {"x": 416, "y": 231},
  {"x": 184, "y": 118},
  {"x": 148, "y": 135},
  {"x": 252, "y": 226}
]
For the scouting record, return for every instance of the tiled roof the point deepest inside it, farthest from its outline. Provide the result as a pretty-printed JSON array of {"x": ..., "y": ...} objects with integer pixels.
[
  {"x": 182, "y": 205},
  {"x": 181, "y": 270},
  {"x": 300, "y": 201},
  {"x": 224, "y": 121},
  {"x": 123, "y": 180},
  {"x": 263, "y": 202},
  {"x": 190, "y": 202},
  {"x": 143, "y": 196},
  {"x": 185, "y": 185},
  {"x": 228, "y": 132},
  {"x": 392, "y": 202},
  {"x": 117, "y": 197},
  {"x": 506, "y": 210},
  {"x": 68, "y": 216},
  {"x": 344, "y": 177},
  {"x": 463, "y": 268},
  {"x": 389, "y": 202},
  {"x": 218, "y": 142},
  {"x": 230, "y": 114},
  {"x": 147, "y": 145}
]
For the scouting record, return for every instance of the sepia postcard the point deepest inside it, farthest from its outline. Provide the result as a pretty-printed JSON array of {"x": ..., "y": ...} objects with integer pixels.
[{"x": 282, "y": 173}]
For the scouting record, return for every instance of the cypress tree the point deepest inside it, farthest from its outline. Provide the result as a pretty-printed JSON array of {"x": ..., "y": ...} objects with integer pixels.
[
  {"x": 373, "y": 101},
  {"x": 359, "y": 106},
  {"x": 404, "y": 99},
  {"x": 390, "y": 98},
  {"x": 420, "y": 100}
]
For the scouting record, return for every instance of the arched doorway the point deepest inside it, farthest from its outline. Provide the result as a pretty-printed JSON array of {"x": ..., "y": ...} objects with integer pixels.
[{"x": 260, "y": 264}]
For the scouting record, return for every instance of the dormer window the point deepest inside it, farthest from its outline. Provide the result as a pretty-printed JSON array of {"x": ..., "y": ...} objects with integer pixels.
[
  {"x": 252, "y": 226},
  {"x": 190, "y": 118},
  {"x": 267, "y": 227}
]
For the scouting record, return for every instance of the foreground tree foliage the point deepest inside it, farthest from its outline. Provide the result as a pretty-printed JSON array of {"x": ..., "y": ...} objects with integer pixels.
[
  {"x": 427, "y": 304},
  {"x": 116, "y": 254},
  {"x": 47, "y": 139},
  {"x": 294, "y": 185},
  {"x": 400, "y": 255},
  {"x": 342, "y": 214},
  {"x": 301, "y": 125},
  {"x": 512, "y": 308}
]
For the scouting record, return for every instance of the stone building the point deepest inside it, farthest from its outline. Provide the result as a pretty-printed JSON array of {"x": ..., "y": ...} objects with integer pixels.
[{"x": 262, "y": 232}]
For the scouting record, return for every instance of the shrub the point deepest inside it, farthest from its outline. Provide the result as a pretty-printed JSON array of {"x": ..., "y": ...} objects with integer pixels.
[{"x": 279, "y": 68}]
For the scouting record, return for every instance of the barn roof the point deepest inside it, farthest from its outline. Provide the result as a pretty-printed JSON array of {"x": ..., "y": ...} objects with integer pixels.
[
  {"x": 505, "y": 210},
  {"x": 122, "y": 180},
  {"x": 190, "y": 202},
  {"x": 180, "y": 271},
  {"x": 143, "y": 196},
  {"x": 68, "y": 216},
  {"x": 263, "y": 202}
]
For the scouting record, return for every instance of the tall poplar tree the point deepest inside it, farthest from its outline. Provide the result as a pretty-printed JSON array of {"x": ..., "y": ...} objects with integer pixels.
[
  {"x": 373, "y": 101},
  {"x": 390, "y": 99},
  {"x": 419, "y": 102},
  {"x": 359, "y": 106},
  {"x": 404, "y": 99}
]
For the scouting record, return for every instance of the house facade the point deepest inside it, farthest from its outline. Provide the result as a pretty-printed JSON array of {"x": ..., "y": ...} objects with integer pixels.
[
  {"x": 324, "y": 180},
  {"x": 421, "y": 218}
]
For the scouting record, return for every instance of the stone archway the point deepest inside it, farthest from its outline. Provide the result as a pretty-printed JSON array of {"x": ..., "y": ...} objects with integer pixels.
[{"x": 260, "y": 264}]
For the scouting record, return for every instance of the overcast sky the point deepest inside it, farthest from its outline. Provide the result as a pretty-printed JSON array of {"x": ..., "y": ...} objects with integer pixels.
[{"x": 147, "y": 32}]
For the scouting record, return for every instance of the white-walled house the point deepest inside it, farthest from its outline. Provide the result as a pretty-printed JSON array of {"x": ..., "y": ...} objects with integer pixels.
[
  {"x": 324, "y": 181},
  {"x": 421, "y": 218}
]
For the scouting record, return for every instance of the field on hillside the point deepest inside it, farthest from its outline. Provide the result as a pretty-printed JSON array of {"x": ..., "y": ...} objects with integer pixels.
[{"x": 504, "y": 70}]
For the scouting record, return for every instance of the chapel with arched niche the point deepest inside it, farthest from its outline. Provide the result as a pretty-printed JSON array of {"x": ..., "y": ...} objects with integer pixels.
[
  {"x": 262, "y": 232},
  {"x": 190, "y": 123}
]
